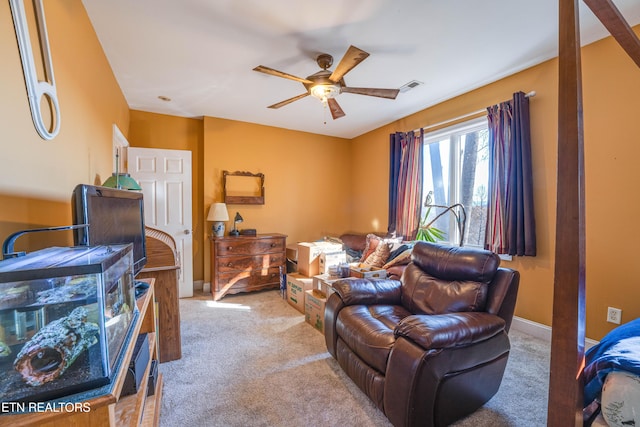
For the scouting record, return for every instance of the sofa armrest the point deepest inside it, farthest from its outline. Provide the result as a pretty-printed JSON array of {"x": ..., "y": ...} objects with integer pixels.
[
  {"x": 449, "y": 330},
  {"x": 354, "y": 291}
]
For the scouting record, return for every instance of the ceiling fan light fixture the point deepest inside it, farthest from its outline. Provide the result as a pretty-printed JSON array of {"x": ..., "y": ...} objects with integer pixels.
[
  {"x": 325, "y": 91},
  {"x": 326, "y": 85}
]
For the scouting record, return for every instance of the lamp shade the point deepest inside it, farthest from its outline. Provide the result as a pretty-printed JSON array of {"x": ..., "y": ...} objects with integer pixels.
[
  {"x": 218, "y": 212},
  {"x": 122, "y": 181}
]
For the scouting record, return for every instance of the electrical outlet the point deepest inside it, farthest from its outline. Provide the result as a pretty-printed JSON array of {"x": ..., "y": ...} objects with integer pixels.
[{"x": 614, "y": 315}]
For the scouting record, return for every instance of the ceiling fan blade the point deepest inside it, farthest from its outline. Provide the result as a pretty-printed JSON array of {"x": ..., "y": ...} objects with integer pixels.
[
  {"x": 353, "y": 57},
  {"x": 380, "y": 93},
  {"x": 288, "y": 101},
  {"x": 336, "y": 111},
  {"x": 271, "y": 71}
]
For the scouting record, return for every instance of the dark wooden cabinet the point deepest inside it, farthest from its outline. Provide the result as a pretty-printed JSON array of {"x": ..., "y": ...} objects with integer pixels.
[{"x": 246, "y": 263}]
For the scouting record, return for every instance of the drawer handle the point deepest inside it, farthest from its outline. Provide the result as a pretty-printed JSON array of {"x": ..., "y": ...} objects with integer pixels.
[
  {"x": 273, "y": 245},
  {"x": 229, "y": 264},
  {"x": 229, "y": 248}
]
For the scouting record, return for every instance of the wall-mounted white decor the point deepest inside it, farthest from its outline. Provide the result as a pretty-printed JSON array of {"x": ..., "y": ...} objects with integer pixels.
[{"x": 36, "y": 89}]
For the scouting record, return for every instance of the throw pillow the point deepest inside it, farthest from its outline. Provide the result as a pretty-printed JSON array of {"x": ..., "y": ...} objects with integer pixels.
[
  {"x": 398, "y": 249},
  {"x": 403, "y": 259},
  {"x": 370, "y": 246},
  {"x": 379, "y": 256}
]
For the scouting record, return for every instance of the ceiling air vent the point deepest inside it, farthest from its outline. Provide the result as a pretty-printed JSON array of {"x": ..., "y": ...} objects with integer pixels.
[{"x": 411, "y": 85}]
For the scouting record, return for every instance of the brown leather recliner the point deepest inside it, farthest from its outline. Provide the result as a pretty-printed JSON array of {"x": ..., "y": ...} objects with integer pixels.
[{"x": 431, "y": 348}]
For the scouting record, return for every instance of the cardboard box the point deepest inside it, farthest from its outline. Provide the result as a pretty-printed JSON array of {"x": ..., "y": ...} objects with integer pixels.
[
  {"x": 292, "y": 258},
  {"x": 309, "y": 256},
  {"x": 367, "y": 272},
  {"x": 292, "y": 252},
  {"x": 314, "y": 303},
  {"x": 331, "y": 259},
  {"x": 297, "y": 285},
  {"x": 323, "y": 283}
]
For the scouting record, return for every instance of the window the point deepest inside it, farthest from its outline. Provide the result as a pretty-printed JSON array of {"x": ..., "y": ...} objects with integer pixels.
[{"x": 456, "y": 170}]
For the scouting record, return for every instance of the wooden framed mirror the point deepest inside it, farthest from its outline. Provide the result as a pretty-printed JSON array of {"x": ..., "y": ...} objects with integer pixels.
[{"x": 243, "y": 188}]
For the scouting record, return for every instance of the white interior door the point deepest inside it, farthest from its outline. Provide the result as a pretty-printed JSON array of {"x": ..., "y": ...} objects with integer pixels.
[{"x": 165, "y": 178}]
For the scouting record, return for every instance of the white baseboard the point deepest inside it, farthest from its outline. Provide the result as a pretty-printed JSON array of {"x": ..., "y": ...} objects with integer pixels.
[
  {"x": 541, "y": 331},
  {"x": 538, "y": 330},
  {"x": 198, "y": 285},
  {"x": 206, "y": 287}
]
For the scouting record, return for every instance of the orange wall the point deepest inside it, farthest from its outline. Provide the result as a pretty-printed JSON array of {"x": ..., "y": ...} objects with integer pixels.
[
  {"x": 542, "y": 79},
  {"x": 150, "y": 130},
  {"x": 306, "y": 175},
  {"x": 307, "y": 184},
  {"x": 611, "y": 104},
  {"x": 37, "y": 177},
  {"x": 612, "y": 150}
]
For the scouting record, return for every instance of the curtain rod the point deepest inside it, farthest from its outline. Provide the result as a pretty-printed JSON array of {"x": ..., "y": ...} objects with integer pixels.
[{"x": 464, "y": 116}]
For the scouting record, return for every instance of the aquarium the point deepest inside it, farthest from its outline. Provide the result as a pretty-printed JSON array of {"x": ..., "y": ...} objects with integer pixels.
[{"x": 65, "y": 314}]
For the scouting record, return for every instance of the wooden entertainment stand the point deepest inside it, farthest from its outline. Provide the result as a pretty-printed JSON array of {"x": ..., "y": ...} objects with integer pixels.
[{"x": 106, "y": 408}]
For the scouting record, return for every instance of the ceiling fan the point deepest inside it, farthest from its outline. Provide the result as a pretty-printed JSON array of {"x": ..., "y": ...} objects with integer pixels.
[{"x": 326, "y": 85}]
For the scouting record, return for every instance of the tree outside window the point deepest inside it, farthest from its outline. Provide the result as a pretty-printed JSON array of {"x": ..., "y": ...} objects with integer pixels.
[{"x": 456, "y": 169}]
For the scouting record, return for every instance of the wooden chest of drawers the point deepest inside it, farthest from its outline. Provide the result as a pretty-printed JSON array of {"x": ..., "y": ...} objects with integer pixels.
[{"x": 246, "y": 263}]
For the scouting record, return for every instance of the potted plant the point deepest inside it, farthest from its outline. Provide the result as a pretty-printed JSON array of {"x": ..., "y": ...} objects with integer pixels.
[{"x": 428, "y": 232}]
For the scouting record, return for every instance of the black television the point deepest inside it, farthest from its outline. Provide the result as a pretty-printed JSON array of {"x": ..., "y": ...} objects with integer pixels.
[{"x": 114, "y": 216}]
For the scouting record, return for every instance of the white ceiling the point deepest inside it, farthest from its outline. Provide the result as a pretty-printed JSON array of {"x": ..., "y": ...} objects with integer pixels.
[{"x": 201, "y": 53}]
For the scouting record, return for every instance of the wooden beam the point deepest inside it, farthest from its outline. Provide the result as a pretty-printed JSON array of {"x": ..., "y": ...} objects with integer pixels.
[
  {"x": 567, "y": 339},
  {"x": 612, "y": 19}
]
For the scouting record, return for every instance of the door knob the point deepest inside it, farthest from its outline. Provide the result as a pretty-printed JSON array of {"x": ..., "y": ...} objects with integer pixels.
[{"x": 187, "y": 231}]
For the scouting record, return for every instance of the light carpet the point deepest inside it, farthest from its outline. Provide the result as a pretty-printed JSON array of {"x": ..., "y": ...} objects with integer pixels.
[{"x": 252, "y": 360}]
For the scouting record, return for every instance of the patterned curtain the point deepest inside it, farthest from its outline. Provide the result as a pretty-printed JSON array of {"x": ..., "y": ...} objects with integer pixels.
[
  {"x": 510, "y": 218},
  {"x": 405, "y": 183}
]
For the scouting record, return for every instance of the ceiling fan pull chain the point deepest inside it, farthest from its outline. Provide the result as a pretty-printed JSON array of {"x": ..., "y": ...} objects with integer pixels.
[{"x": 324, "y": 112}]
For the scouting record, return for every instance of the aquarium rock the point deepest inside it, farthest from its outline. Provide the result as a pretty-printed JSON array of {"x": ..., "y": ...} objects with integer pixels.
[{"x": 55, "y": 347}]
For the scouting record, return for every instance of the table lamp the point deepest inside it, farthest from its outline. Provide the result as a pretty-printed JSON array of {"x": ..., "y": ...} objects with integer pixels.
[
  {"x": 122, "y": 181},
  {"x": 218, "y": 215},
  {"x": 236, "y": 220},
  {"x": 119, "y": 180}
]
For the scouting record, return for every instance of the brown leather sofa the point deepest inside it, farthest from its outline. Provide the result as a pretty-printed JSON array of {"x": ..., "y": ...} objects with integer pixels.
[{"x": 431, "y": 348}]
